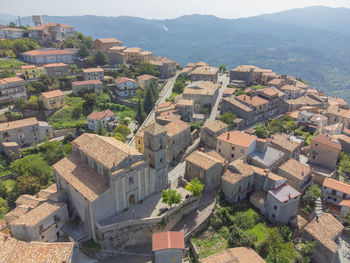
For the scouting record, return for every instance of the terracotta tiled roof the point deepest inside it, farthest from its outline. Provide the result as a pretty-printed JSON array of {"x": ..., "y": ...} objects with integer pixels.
[
  {"x": 201, "y": 88},
  {"x": 235, "y": 255},
  {"x": 108, "y": 40},
  {"x": 164, "y": 105},
  {"x": 270, "y": 92},
  {"x": 252, "y": 100},
  {"x": 275, "y": 82},
  {"x": 87, "y": 82},
  {"x": 237, "y": 170},
  {"x": 238, "y": 104},
  {"x": 229, "y": 91},
  {"x": 48, "y": 52},
  {"x": 99, "y": 115},
  {"x": 122, "y": 80},
  {"x": 205, "y": 70},
  {"x": 43, "y": 26},
  {"x": 237, "y": 138},
  {"x": 325, "y": 229},
  {"x": 215, "y": 126},
  {"x": 168, "y": 240},
  {"x": 177, "y": 126},
  {"x": 290, "y": 88},
  {"x": 168, "y": 116},
  {"x": 11, "y": 80},
  {"x": 283, "y": 142},
  {"x": 105, "y": 150},
  {"x": 13, "y": 251},
  {"x": 325, "y": 141},
  {"x": 202, "y": 160},
  {"x": 52, "y": 94},
  {"x": 154, "y": 128},
  {"x": 146, "y": 77},
  {"x": 37, "y": 214},
  {"x": 51, "y": 65},
  {"x": 184, "y": 102},
  {"x": 345, "y": 203},
  {"x": 88, "y": 182},
  {"x": 89, "y": 70},
  {"x": 337, "y": 185},
  {"x": 18, "y": 124},
  {"x": 132, "y": 50},
  {"x": 28, "y": 66},
  {"x": 12, "y": 29},
  {"x": 295, "y": 169}
]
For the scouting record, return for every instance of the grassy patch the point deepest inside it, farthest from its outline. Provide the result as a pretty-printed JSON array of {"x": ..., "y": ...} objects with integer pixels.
[
  {"x": 11, "y": 64},
  {"x": 9, "y": 184},
  {"x": 210, "y": 245},
  {"x": 257, "y": 87},
  {"x": 172, "y": 96},
  {"x": 260, "y": 231},
  {"x": 91, "y": 245}
]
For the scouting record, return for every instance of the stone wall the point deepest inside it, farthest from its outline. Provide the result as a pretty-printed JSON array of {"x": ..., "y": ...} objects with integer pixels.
[
  {"x": 59, "y": 133},
  {"x": 139, "y": 231}
]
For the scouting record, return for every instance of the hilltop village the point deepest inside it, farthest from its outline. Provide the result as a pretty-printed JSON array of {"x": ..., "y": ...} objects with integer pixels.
[{"x": 109, "y": 151}]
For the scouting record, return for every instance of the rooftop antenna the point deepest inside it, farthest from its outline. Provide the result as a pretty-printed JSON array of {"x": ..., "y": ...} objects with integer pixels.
[{"x": 19, "y": 21}]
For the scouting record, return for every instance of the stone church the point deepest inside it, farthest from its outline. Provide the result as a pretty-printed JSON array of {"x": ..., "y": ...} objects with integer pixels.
[{"x": 104, "y": 176}]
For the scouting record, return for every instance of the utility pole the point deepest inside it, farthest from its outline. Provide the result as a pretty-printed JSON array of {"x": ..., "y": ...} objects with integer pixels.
[{"x": 19, "y": 21}]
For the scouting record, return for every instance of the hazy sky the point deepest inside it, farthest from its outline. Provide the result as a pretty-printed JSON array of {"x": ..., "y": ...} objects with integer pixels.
[{"x": 158, "y": 8}]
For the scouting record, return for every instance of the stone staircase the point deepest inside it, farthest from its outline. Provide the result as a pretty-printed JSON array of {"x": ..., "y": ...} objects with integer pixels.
[{"x": 318, "y": 207}]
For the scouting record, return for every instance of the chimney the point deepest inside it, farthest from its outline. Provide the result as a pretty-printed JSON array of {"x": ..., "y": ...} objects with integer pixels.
[
  {"x": 228, "y": 136},
  {"x": 317, "y": 218}
]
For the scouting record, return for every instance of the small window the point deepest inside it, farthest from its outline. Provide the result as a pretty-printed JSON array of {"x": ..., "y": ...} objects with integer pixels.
[
  {"x": 316, "y": 144},
  {"x": 240, "y": 188},
  {"x": 41, "y": 228},
  {"x": 232, "y": 156},
  {"x": 334, "y": 192},
  {"x": 233, "y": 148},
  {"x": 344, "y": 195},
  {"x": 219, "y": 150},
  {"x": 55, "y": 217},
  {"x": 273, "y": 216},
  {"x": 275, "y": 207},
  {"x": 131, "y": 180}
]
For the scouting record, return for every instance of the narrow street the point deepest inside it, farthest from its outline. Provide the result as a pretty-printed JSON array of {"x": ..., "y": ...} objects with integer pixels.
[{"x": 164, "y": 94}]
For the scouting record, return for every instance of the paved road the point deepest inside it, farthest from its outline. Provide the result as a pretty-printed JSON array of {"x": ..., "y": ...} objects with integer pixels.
[{"x": 164, "y": 94}]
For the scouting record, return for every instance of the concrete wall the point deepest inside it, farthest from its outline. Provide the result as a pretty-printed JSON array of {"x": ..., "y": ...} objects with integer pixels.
[
  {"x": 284, "y": 212},
  {"x": 22, "y": 136},
  {"x": 323, "y": 157}
]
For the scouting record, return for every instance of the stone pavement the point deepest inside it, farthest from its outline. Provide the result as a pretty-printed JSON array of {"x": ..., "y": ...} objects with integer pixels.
[{"x": 194, "y": 219}]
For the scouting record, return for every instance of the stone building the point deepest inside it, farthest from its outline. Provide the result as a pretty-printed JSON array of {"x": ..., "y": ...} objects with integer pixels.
[
  {"x": 205, "y": 73},
  {"x": 57, "y": 69},
  {"x": 104, "y": 176},
  {"x": 139, "y": 141},
  {"x": 205, "y": 167},
  {"x": 106, "y": 43},
  {"x": 325, "y": 230},
  {"x": 285, "y": 144},
  {"x": 275, "y": 98},
  {"x": 51, "y": 32},
  {"x": 277, "y": 201},
  {"x": 115, "y": 55},
  {"x": 324, "y": 152},
  {"x": 166, "y": 67},
  {"x": 167, "y": 247},
  {"x": 244, "y": 73},
  {"x": 32, "y": 72},
  {"x": 84, "y": 85},
  {"x": 12, "y": 89},
  {"x": 210, "y": 131},
  {"x": 179, "y": 138},
  {"x": 298, "y": 175},
  {"x": 234, "y": 145},
  {"x": 125, "y": 87},
  {"x": 155, "y": 150},
  {"x": 42, "y": 223},
  {"x": 145, "y": 80},
  {"x": 292, "y": 92},
  {"x": 235, "y": 255},
  {"x": 93, "y": 73},
  {"x": 337, "y": 114},
  {"x": 25, "y": 132},
  {"x": 11, "y": 33},
  {"x": 185, "y": 108},
  {"x": 203, "y": 93},
  {"x": 250, "y": 108},
  {"x": 334, "y": 192},
  {"x": 49, "y": 56},
  {"x": 97, "y": 118},
  {"x": 53, "y": 100}
]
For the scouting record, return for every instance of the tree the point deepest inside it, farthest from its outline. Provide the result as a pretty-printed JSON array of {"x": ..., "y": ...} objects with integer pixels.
[
  {"x": 3, "y": 190},
  {"x": 344, "y": 166},
  {"x": 228, "y": 118},
  {"x": 90, "y": 62},
  {"x": 222, "y": 67},
  {"x": 67, "y": 149},
  {"x": 195, "y": 187},
  {"x": 239, "y": 238},
  {"x": 74, "y": 69},
  {"x": 83, "y": 51},
  {"x": 140, "y": 113},
  {"x": 28, "y": 184},
  {"x": 33, "y": 165},
  {"x": 261, "y": 131},
  {"x": 4, "y": 208},
  {"x": 149, "y": 101},
  {"x": 68, "y": 138},
  {"x": 285, "y": 232},
  {"x": 311, "y": 194},
  {"x": 100, "y": 58},
  {"x": 171, "y": 197},
  {"x": 119, "y": 137},
  {"x": 77, "y": 111},
  {"x": 68, "y": 43},
  {"x": 123, "y": 130},
  {"x": 147, "y": 68}
]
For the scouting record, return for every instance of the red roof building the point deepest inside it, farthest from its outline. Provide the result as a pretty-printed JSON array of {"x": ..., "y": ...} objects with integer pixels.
[{"x": 168, "y": 240}]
